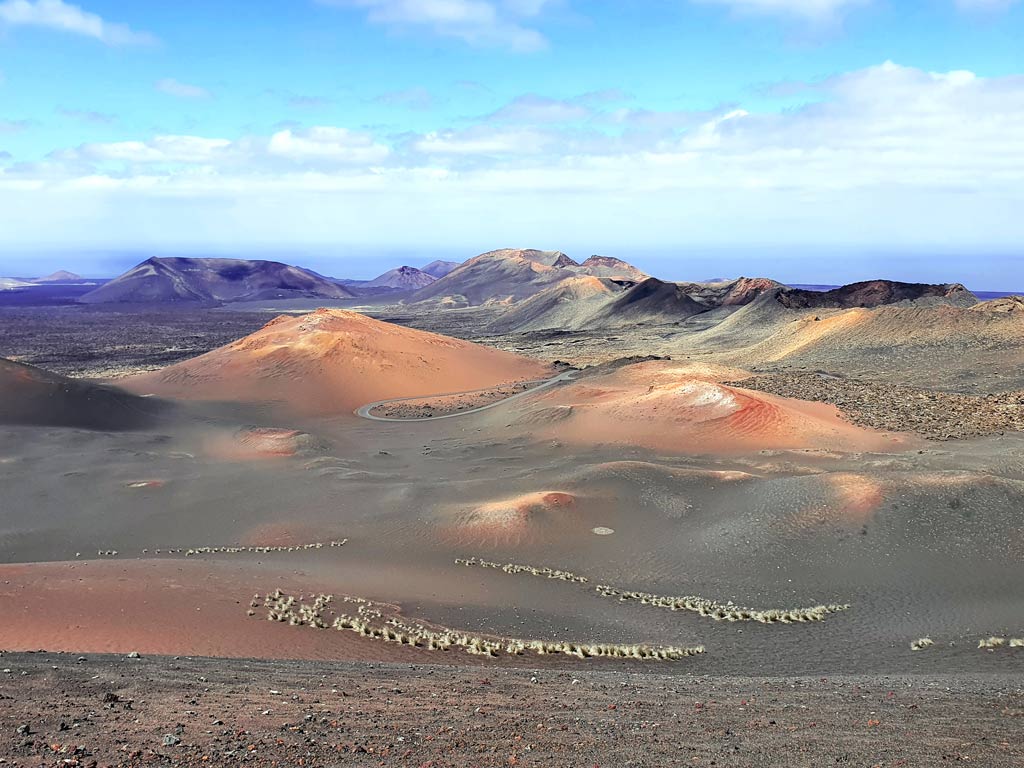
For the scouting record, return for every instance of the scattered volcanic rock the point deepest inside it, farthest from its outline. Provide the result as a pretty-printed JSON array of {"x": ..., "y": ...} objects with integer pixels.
[
  {"x": 906, "y": 337},
  {"x": 875, "y": 293},
  {"x": 172, "y": 280},
  {"x": 439, "y": 268},
  {"x": 406, "y": 278},
  {"x": 32, "y": 396},
  {"x": 888, "y": 406},
  {"x": 333, "y": 361}
]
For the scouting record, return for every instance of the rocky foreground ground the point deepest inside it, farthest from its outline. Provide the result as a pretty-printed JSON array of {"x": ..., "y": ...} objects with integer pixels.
[{"x": 67, "y": 710}]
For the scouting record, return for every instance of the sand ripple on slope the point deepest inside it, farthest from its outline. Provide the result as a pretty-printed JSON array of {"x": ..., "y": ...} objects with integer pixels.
[
  {"x": 528, "y": 518},
  {"x": 665, "y": 406}
]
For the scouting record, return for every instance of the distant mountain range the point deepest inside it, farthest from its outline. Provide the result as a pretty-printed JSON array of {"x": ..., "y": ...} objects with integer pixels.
[{"x": 529, "y": 289}]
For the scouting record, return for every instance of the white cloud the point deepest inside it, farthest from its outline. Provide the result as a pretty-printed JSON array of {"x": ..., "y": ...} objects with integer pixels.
[
  {"x": 483, "y": 141},
  {"x": 160, "y": 149},
  {"x": 173, "y": 87},
  {"x": 886, "y": 152},
  {"x": 58, "y": 15},
  {"x": 324, "y": 147},
  {"x": 332, "y": 145},
  {"x": 482, "y": 23}
]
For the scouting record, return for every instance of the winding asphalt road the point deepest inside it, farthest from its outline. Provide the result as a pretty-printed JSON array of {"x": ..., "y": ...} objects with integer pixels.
[{"x": 364, "y": 411}]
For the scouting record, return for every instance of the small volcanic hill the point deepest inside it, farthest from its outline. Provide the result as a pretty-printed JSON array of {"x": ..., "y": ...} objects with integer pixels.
[
  {"x": 32, "y": 396},
  {"x": 60, "y": 276},
  {"x": 652, "y": 301},
  {"x": 499, "y": 275},
  {"x": 875, "y": 293},
  {"x": 512, "y": 275},
  {"x": 565, "y": 305},
  {"x": 405, "y": 278},
  {"x": 608, "y": 266},
  {"x": 666, "y": 406},
  {"x": 439, "y": 268},
  {"x": 730, "y": 293},
  {"x": 174, "y": 280},
  {"x": 333, "y": 361}
]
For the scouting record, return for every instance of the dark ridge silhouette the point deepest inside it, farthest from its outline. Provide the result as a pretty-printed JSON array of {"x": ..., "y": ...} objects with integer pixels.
[
  {"x": 175, "y": 280},
  {"x": 875, "y": 293}
]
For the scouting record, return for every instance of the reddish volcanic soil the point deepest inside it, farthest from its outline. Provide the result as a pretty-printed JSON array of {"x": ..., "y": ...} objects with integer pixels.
[
  {"x": 332, "y": 361},
  {"x": 195, "y": 607},
  {"x": 529, "y": 518},
  {"x": 664, "y": 406}
]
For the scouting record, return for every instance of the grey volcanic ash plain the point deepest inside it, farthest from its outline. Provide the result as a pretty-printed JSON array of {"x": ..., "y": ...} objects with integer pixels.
[{"x": 711, "y": 481}]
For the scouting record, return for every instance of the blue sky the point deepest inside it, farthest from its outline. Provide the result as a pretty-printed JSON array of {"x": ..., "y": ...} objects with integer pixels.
[{"x": 821, "y": 139}]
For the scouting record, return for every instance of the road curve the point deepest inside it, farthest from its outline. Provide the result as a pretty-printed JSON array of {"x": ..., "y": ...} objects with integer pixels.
[{"x": 364, "y": 411}]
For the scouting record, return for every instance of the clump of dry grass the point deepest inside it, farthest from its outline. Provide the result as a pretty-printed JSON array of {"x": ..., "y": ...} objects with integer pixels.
[
  {"x": 991, "y": 643},
  {"x": 195, "y": 551},
  {"x": 548, "y": 573},
  {"x": 369, "y": 620},
  {"x": 922, "y": 643},
  {"x": 725, "y": 611},
  {"x": 701, "y": 605}
]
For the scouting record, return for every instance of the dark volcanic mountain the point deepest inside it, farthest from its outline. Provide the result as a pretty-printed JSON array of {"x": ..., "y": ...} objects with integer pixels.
[
  {"x": 173, "y": 280},
  {"x": 402, "y": 277},
  {"x": 652, "y": 301},
  {"x": 875, "y": 293},
  {"x": 566, "y": 305},
  {"x": 32, "y": 396},
  {"x": 730, "y": 293}
]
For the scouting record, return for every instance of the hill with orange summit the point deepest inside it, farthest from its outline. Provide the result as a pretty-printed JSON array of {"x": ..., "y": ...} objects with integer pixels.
[{"x": 332, "y": 361}]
